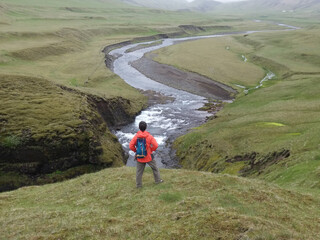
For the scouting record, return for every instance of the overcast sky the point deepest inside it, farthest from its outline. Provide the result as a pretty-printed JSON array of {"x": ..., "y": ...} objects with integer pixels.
[{"x": 222, "y": 0}]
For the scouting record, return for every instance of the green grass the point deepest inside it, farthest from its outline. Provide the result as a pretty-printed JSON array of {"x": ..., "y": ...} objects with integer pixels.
[
  {"x": 53, "y": 110},
  {"x": 302, "y": 55},
  {"x": 283, "y": 114},
  {"x": 40, "y": 123},
  {"x": 106, "y": 205},
  {"x": 263, "y": 121},
  {"x": 60, "y": 44},
  {"x": 45, "y": 43},
  {"x": 11, "y": 141},
  {"x": 217, "y": 58}
]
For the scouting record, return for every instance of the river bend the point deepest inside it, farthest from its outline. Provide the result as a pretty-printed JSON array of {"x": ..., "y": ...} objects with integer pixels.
[{"x": 165, "y": 121}]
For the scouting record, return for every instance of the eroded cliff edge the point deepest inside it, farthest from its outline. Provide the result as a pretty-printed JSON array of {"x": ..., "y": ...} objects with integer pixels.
[{"x": 50, "y": 133}]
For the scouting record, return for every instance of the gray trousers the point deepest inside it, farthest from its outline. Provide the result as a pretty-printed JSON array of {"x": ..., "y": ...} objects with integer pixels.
[{"x": 140, "y": 170}]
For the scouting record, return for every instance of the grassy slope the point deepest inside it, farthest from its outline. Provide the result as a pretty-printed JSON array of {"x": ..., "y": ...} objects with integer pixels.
[
  {"x": 44, "y": 43},
  {"x": 61, "y": 126},
  {"x": 221, "y": 59},
  {"x": 284, "y": 114},
  {"x": 64, "y": 45},
  {"x": 53, "y": 41},
  {"x": 192, "y": 56},
  {"x": 189, "y": 205}
]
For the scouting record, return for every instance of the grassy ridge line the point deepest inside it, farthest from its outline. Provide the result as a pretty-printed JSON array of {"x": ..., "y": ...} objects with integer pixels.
[
  {"x": 188, "y": 205},
  {"x": 272, "y": 132}
]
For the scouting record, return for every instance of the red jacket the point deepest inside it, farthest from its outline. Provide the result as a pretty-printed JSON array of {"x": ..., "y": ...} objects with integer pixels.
[{"x": 151, "y": 143}]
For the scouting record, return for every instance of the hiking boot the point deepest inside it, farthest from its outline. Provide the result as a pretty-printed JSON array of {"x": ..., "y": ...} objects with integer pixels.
[{"x": 161, "y": 181}]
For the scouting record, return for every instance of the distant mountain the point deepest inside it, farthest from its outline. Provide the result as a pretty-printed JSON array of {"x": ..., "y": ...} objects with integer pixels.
[
  {"x": 274, "y": 4},
  {"x": 196, "y": 5},
  {"x": 160, "y": 4},
  {"x": 212, "y": 5},
  {"x": 204, "y": 5}
]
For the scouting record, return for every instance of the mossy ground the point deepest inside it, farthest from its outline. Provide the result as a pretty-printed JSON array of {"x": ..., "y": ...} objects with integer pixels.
[
  {"x": 39, "y": 122},
  {"x": 38, "y": 106},
  {"x": 188, "y": 205}
]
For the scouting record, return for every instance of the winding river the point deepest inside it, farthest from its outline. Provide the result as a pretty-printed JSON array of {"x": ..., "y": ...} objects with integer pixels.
[{"x": 165, "y": 121}]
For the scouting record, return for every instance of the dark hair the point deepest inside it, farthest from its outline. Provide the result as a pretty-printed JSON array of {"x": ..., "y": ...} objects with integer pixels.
[{"x": 142, "y": 126}]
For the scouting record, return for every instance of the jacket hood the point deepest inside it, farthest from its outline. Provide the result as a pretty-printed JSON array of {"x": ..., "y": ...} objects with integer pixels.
[{"x": 141, "y": 134}]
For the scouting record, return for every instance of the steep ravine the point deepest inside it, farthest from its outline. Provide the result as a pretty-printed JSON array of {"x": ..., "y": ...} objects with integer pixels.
[{"x": 55, "y": 132}]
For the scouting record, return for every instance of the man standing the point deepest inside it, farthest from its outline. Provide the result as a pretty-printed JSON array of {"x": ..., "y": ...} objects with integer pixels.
[{"x": 147, "y": 141}]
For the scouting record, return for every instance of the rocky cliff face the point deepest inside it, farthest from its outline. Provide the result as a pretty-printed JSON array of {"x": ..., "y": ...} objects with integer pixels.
[{"x": 49, "y": 132}]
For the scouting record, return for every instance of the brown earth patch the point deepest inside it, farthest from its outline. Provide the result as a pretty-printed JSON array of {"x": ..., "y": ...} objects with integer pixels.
[{"x": 186, "y": 81}]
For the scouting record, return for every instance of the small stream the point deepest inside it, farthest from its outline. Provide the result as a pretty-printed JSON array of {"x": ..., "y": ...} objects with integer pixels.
[
  {"x": 165, "y": 121},
  {"x": 268, "y": 77}
]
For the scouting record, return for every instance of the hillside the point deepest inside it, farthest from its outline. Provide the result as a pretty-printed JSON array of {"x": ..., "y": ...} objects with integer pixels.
[
  {"x": 163, "y": 4},
  {"x": 180, "y": 5},
  {"x": 204, "y": 5},
  {"x": 188, "y": 205},
  {"x": 269, "y": 132},
  {"x": 285, "y": 6}
]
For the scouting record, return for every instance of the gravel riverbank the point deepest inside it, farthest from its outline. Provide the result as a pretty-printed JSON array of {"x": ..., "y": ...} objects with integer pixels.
[{"x": 183, "y": 80}]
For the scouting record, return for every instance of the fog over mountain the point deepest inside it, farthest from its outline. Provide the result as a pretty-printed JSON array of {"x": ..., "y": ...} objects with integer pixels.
[
  {"x": 279, "y": 4},
  {"x": 203, "y": 5},
  {"x": 211, "y": 5},
  {"x": 195, "y": 5},
  {"x": 161, "y": 4}
]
